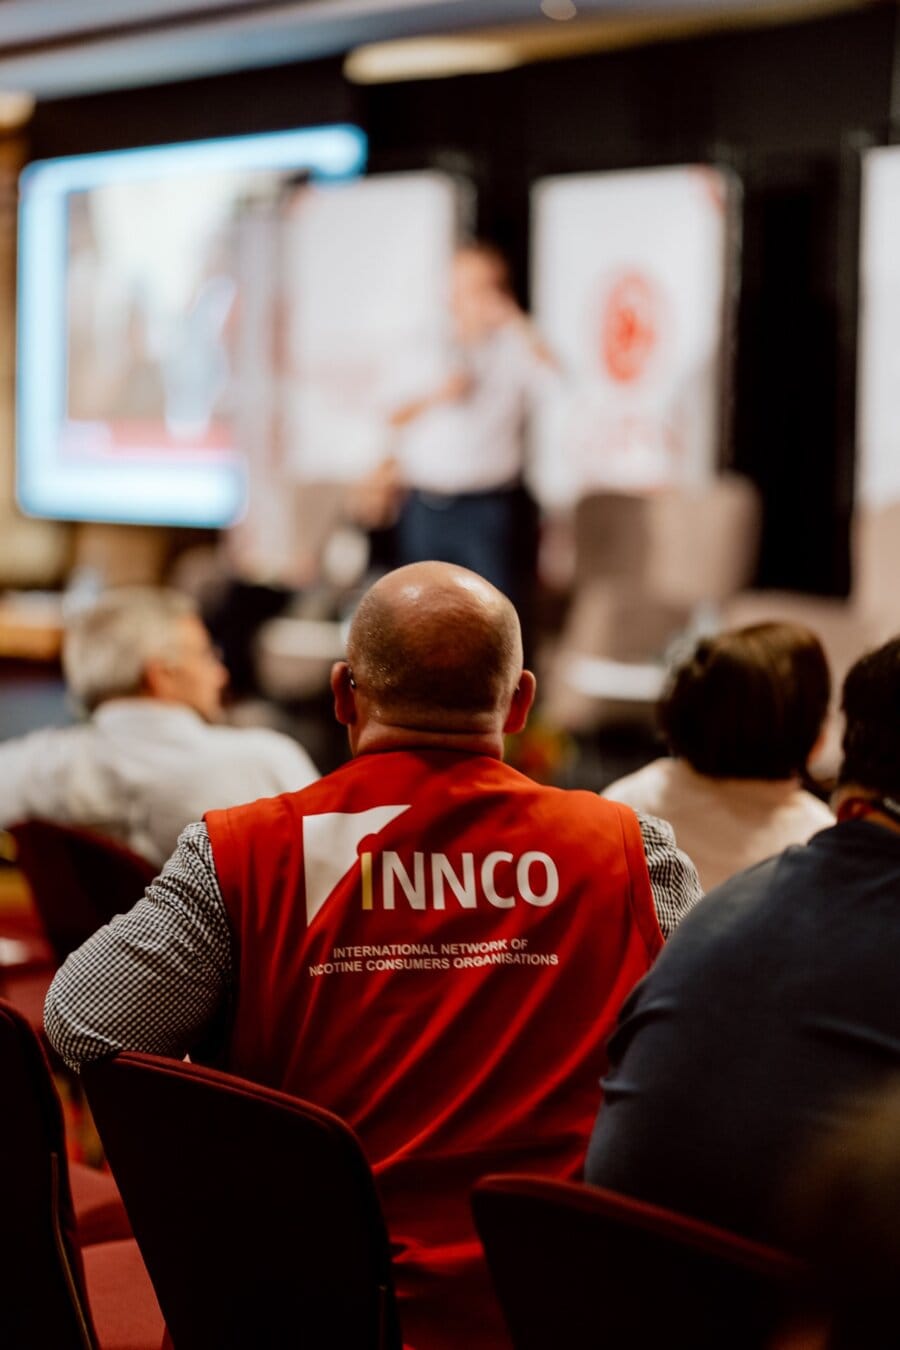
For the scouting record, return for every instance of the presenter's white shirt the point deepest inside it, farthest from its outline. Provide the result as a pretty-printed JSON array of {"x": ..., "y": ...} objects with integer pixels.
[
  {"x": 141, "y": 769},
  {"x": 723, "y": 824},
  {"x": 475, "y": 443}
]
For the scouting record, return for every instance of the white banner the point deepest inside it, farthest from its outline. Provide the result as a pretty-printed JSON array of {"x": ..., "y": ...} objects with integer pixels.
[
  {"x": 348, "y": 287},
  {"x": 367, "y": 268},
  {"x": 878, "y": 380},
  {"x": 629, "y": 283}
]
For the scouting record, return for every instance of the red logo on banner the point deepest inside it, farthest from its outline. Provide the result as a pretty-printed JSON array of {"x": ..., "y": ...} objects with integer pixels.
[{"x": 630, "y": 326}]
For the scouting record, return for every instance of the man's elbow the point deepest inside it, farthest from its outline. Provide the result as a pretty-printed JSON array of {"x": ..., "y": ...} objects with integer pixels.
[{"x": 62, "y": 1029}]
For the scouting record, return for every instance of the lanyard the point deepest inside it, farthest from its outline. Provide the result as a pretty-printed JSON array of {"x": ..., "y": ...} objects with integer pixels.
[{"x": 858, "y": 808}]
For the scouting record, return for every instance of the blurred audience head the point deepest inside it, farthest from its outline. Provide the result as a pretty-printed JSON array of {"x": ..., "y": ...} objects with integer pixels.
[
  {"x": 843, "y": 1216},
  {"x": 871, "y": 704},
  {"x": 749, "y": 703},
  {"x": 143, "y": 642}
]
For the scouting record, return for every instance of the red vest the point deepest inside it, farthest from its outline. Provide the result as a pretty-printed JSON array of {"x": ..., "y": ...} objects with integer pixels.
[{"x": 435, "y": 948}]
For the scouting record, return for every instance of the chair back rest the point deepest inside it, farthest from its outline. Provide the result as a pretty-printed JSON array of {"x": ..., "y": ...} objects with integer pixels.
[
  {"x": 42, "y": 1298},
  {"x": 256, "y": 1213},
  {"x": 705, "y": 541},
  {"x": 79, "y": 879},
  {"x": 682, "y": 546},
  {"x": 581, "y": 1267},
  {"x": 612, "y": 537},
  {"x": 284, "y": 533}
]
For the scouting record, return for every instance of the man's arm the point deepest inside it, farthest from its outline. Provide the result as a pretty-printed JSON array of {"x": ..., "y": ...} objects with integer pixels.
[
  {"x": 290, "y": 763},
  {"x": 153, "y": 979},
  {"x": 451, "y": 390},
  {"x": 673, "y": 877},
  {"x": 522, "y": 323}
]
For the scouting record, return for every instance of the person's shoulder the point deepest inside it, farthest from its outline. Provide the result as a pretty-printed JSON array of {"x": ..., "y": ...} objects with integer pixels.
[
  {"x": 735, "y": 898},
  {"x": 641, "y": 789},
  {"x": 570, "y": 804},
  {"x": 751, "y": 882},
  {"x": 283, "y": 810},
  {"x": 233, "y": 736},
  {"x": 259, "y": 738},
  {"x": 817, "y": 812},
  {"x": 512, "y": 347},
  {"x": 263, "y": 745}
]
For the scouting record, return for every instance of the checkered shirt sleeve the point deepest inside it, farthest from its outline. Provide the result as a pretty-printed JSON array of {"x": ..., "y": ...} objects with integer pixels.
[
  {"x": 153, "y": 979},
  {"x": 673, "y": 877}
]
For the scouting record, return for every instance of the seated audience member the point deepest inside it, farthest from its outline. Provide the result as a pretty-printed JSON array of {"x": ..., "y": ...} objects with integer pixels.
[
  {"x": 741, "y": 718},
  {"x": 844, "y": 1208},
  {"x": 148, "y": 761},
  {"x": 425, "y": 941},
  {"x": 774, "y": 1008}
]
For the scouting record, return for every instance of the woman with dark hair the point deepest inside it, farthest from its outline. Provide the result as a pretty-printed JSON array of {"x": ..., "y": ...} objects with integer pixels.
[{"x": 741, "y": 718}]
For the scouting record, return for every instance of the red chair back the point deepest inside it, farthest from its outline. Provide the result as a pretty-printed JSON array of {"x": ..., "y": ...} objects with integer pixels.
[
  {"x": 581, "y": 1267},
  {"x": 256, "y": 1213},
  {"x": 79, "y": 879},
  {"x": 42, "y": 1299}
]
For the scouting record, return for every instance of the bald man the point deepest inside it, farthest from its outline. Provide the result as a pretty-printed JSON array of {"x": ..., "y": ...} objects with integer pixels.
[{"x": 426, "y": 942}]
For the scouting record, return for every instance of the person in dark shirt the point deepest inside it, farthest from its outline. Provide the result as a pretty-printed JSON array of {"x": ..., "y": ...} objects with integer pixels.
[
  {"x": 844, "y": 1202},
  {"x": 774, "y": 1009}
]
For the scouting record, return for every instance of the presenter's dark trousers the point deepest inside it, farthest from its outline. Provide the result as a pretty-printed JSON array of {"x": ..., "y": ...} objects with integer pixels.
[{"x": 494, "y": 533}]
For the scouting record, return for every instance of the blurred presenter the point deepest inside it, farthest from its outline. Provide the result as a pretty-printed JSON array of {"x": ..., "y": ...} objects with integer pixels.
[{"x": 459, "y": 442}]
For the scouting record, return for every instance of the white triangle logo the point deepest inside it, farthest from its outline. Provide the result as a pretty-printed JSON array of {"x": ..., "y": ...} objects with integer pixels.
[{"x": 330, "y": 842}]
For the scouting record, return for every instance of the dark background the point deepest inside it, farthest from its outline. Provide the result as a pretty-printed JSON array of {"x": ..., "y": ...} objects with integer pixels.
[{"x": 788, "y": 108}]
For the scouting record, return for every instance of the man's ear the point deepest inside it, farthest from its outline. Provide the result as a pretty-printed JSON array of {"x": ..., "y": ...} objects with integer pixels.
[
  {"x": 520, "y": 707},
  {"x": 344, "y": 697}
]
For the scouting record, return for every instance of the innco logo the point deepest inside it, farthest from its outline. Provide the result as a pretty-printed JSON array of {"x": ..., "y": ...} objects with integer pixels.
[
  {"x": 631, "y": 320},
  {"x": 428, "y": 881},
  {"x": 433, "y": 879}
]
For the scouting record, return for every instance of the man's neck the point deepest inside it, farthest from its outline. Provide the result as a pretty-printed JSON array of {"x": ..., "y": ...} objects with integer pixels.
[{"x": 376, "y": 737}]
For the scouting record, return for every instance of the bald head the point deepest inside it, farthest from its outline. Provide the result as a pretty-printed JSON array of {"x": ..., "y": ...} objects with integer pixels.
[{"x": 434, "y": 644}]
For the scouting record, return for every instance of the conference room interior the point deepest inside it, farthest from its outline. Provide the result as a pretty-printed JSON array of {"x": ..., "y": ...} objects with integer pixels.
[{"x": 741, "y": 466}]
